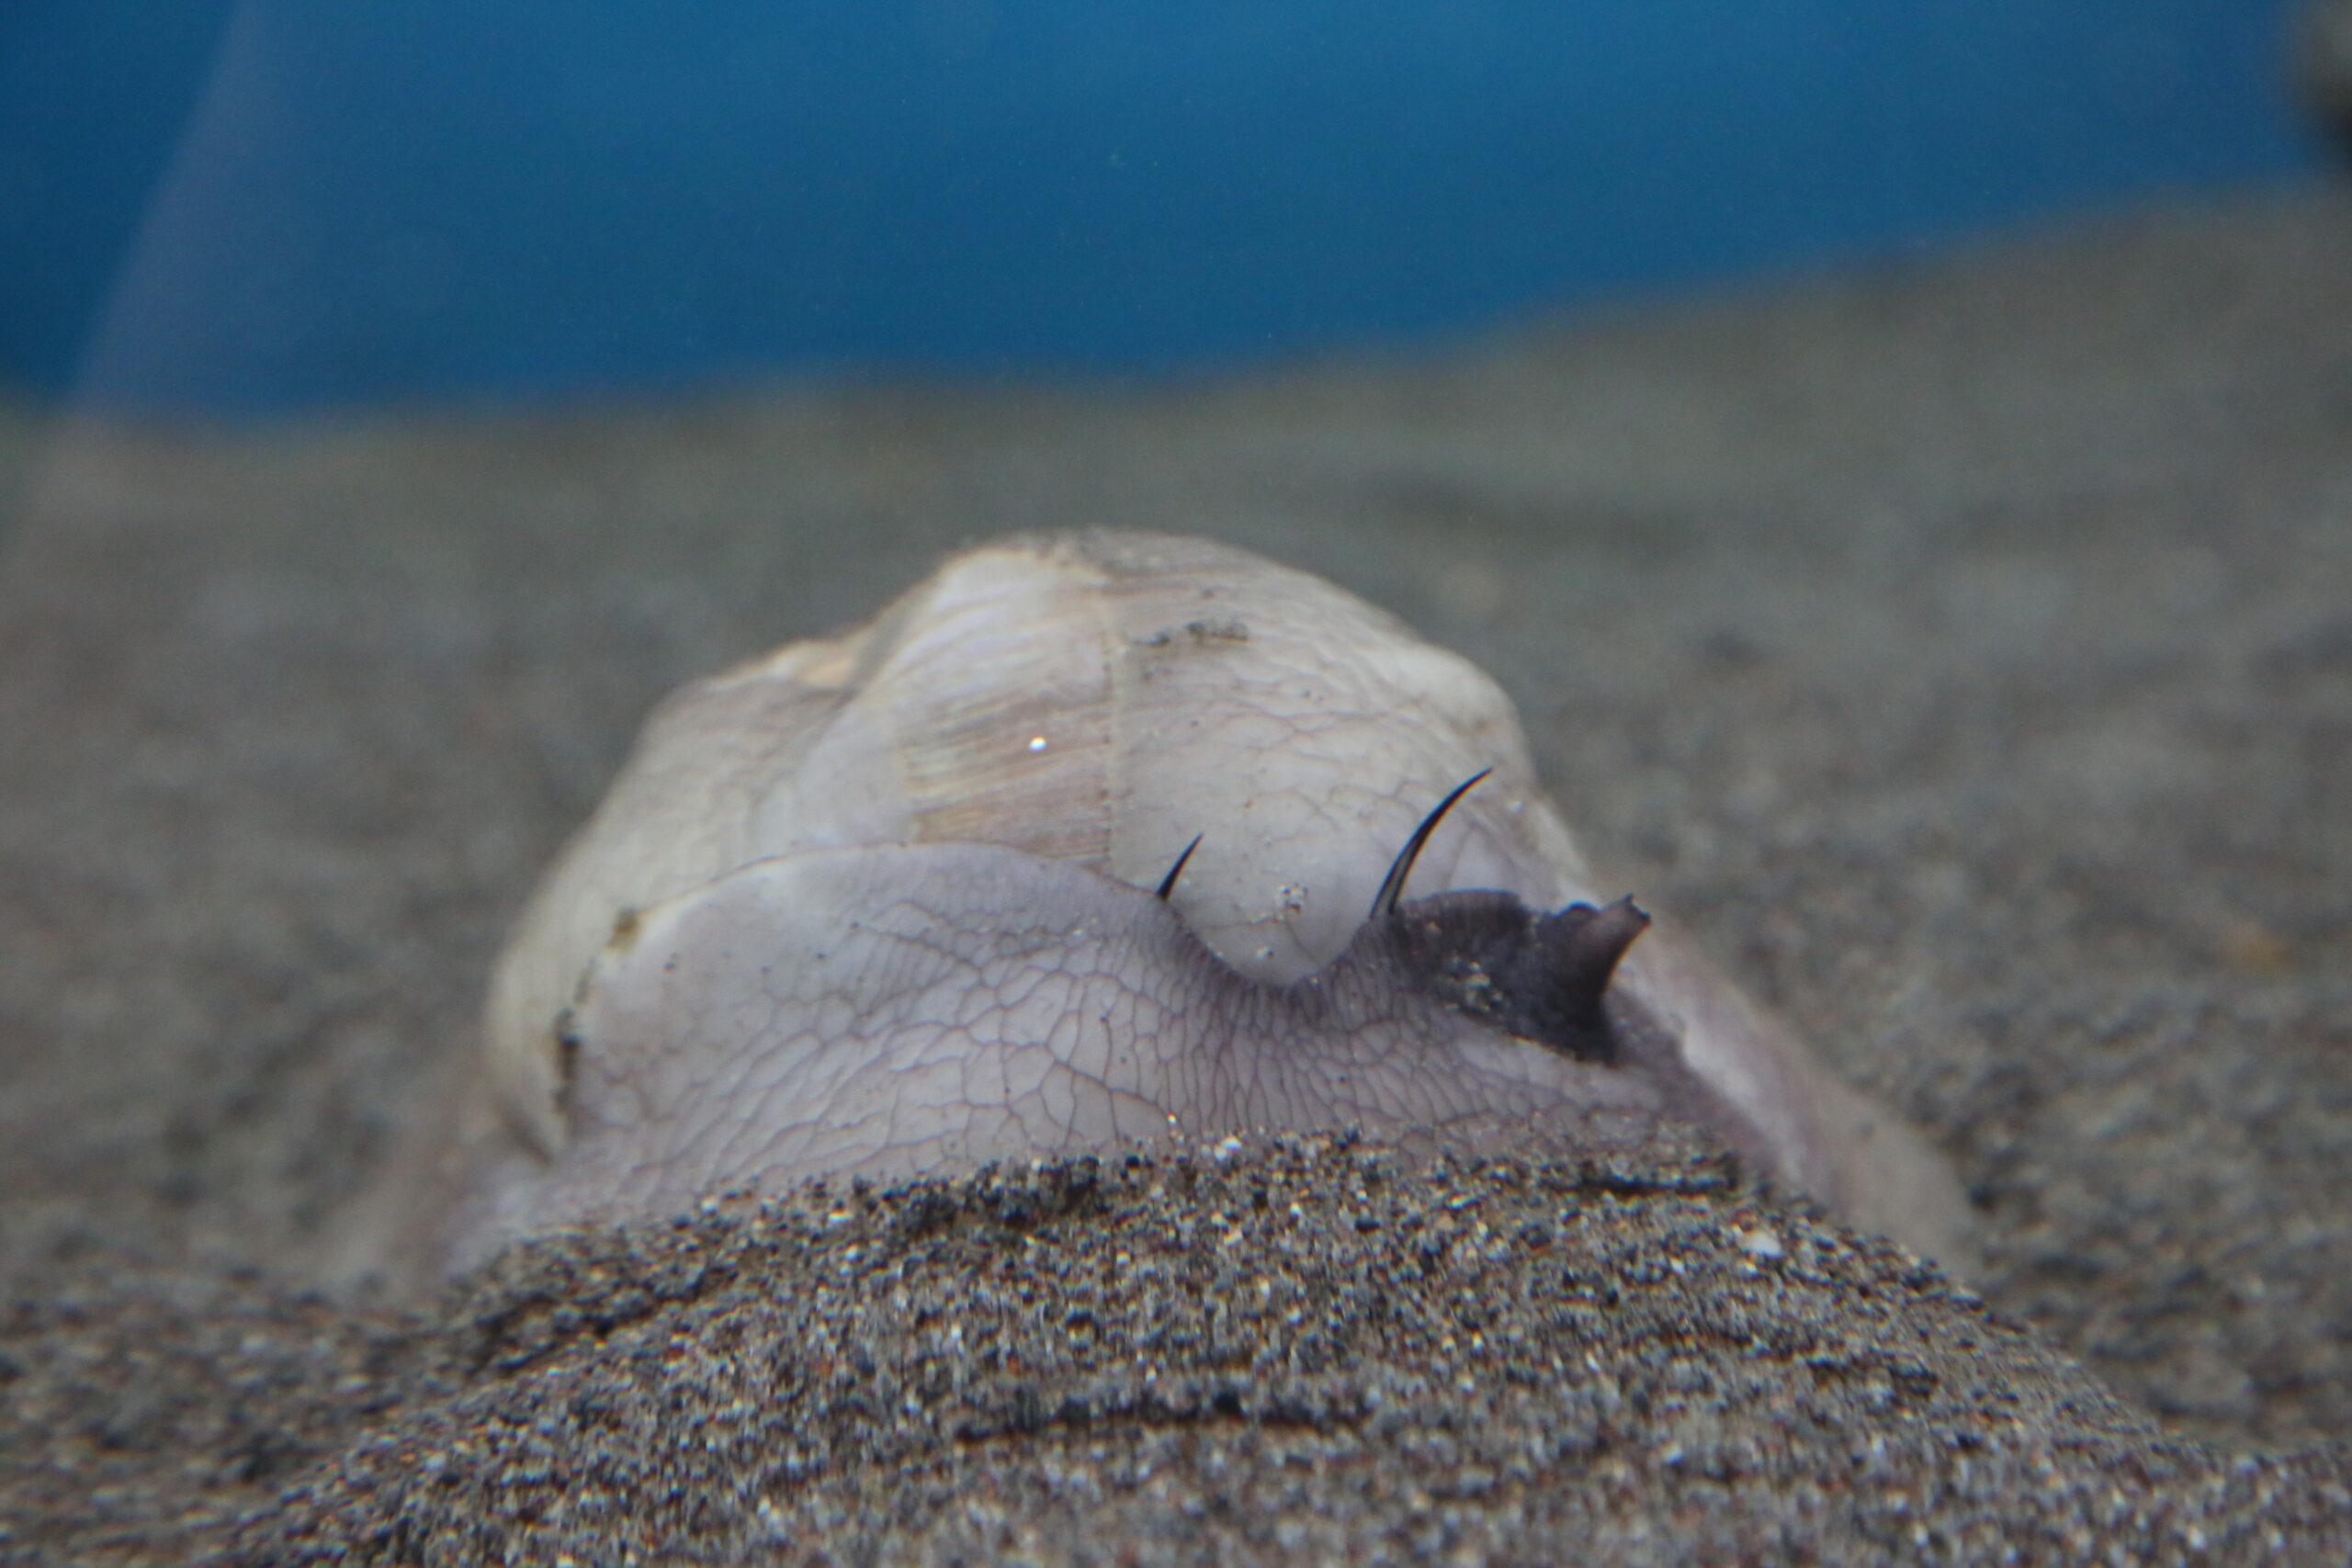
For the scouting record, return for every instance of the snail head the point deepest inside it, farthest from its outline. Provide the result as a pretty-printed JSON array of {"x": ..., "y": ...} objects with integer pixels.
[{"x": 1539, "y": 976}]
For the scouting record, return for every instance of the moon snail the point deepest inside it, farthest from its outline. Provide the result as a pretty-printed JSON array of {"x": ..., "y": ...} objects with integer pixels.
[{"x": 1072, "y": 848}]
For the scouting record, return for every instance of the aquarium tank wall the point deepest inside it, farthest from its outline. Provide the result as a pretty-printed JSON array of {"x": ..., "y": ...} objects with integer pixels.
[{"x": 229, "y": 209}]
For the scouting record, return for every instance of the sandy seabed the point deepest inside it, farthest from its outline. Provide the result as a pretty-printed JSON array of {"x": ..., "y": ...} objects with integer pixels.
[{"x": 1964, "y": 651}]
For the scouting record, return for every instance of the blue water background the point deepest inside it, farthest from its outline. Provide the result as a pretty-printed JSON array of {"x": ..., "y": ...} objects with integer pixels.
[{"x": 271, "y": 206}]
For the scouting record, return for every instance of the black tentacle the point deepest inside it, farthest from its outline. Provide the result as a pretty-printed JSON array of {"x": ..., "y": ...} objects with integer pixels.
[
  {"x": 1167, "y": 883},
  {"x": 1392, "y": 886}
]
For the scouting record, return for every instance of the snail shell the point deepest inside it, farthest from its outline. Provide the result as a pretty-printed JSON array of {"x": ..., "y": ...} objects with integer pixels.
[{"x": 885, "y": 904}]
